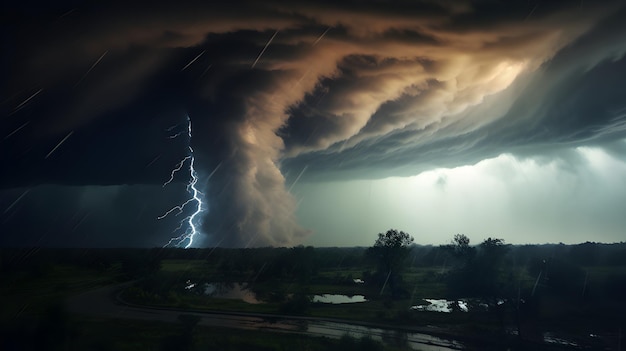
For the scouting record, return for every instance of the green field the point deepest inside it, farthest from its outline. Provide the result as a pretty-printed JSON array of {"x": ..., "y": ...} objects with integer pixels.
[
  {"x": 187, "y": 266},
  {"x": 31, "y": 291},
  {"x": 422, "y": 281},
  {"x": 85, "y": 333},
  {"x": 560, "y": 296}
]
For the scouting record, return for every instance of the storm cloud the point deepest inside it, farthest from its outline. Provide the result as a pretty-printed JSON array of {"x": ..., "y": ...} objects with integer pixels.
[{"x": 286, "y": 92}]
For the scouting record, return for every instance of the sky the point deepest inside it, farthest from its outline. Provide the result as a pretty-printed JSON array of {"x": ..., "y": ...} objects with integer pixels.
[{"x": 311, "y": 122}]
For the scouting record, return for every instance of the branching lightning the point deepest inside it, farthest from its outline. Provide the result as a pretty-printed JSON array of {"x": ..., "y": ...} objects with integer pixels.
[
  {"x": 191, "y": 221},
  {"x": 178, "y": 167}
]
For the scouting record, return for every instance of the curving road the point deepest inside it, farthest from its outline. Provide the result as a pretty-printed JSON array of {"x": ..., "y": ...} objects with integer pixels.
[{"x": 103, "y": 302}]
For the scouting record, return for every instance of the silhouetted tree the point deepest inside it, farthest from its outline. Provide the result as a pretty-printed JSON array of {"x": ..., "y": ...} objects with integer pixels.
[
  {"x": 480, "y": 272},
  {"x": 460, "y": 254},
  {"x": 302, "y": 262},
  {"x": 390, "y": 250},
  {"x": 460, "y": 250},
  {"x": 477, "y": 271},
  {"x": 489, "y": 269}
]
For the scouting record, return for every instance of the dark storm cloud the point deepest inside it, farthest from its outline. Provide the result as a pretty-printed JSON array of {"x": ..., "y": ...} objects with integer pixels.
[
  {"x": 87, "y": 216},
  {"x": 575, "y": 98},
  {"x": 343, "y": 90}
]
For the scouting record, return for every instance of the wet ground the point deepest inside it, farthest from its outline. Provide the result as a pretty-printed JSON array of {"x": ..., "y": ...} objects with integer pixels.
[{"x": 103, "y": 302}]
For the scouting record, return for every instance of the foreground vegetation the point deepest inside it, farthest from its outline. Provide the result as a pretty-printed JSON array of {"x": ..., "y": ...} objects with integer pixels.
[
  {"x": 62, "y": 332},
  {"x": 577, "y": 292}
]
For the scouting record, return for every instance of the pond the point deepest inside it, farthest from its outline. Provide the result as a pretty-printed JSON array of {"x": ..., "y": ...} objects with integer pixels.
[
  {"x": 338, "y": 299},
  {"x": 416, "y": 341},
  {"x": 241, "y": 291},
  {"x": 441, "y": 305}
]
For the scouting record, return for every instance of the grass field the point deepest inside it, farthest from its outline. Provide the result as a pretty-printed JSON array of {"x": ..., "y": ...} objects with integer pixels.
[
  {"x": 34, "y": 316},
  {"x": 421, "y": 282},
  {"x": 32, "y": 291},
  {"x": 33, "y": 297},
  {"x": 84, "y": 333},
  {"x": 187, "y": 266}
]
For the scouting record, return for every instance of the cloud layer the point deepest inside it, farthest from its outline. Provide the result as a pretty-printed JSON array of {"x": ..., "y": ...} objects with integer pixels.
[{"x": 281, "y": 92}]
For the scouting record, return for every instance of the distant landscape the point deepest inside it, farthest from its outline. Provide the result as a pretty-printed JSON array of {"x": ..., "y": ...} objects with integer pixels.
[
  {"x": 485, "y": 296},
  {"x": 227, "y": 175}
]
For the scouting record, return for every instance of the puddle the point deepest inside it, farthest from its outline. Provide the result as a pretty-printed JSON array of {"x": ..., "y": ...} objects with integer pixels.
[
  {"x": 550, "y": 338},
  {"x": 396, "y": 338},
  {"x": 241, "y": 291},
  {"x": 463, "y": 305},
  {"x": 338, "y": 299},
  {"x": 441, "y": 305}
]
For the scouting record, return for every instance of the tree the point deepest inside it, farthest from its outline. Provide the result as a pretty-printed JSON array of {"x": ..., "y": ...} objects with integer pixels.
[
  {"x": 481, "y": 272},
  {"x": 460, "y": 277},
  {"x": 390, "y": 250},
  {"x": 478, "y": 270},
  {"x": 460, "y": 250},
  {"x": 489, "y": 268}
]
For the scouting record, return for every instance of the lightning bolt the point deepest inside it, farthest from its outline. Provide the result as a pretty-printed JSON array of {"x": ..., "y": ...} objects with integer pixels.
[{"x": 195, "y": 198}]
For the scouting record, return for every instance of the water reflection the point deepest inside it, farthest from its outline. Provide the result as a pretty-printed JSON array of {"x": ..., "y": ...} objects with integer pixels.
[
  {"x": 396, "y": 338},
  {"x": 241, "y": 291},
  {"x": 442, "y": 305},
  {"x": 338, "y": 299},
  {"x": 550, "y": 338}
]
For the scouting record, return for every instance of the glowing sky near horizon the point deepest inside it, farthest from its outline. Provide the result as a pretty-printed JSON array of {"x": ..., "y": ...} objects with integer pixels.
[{"x": 525, "y": 201}]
